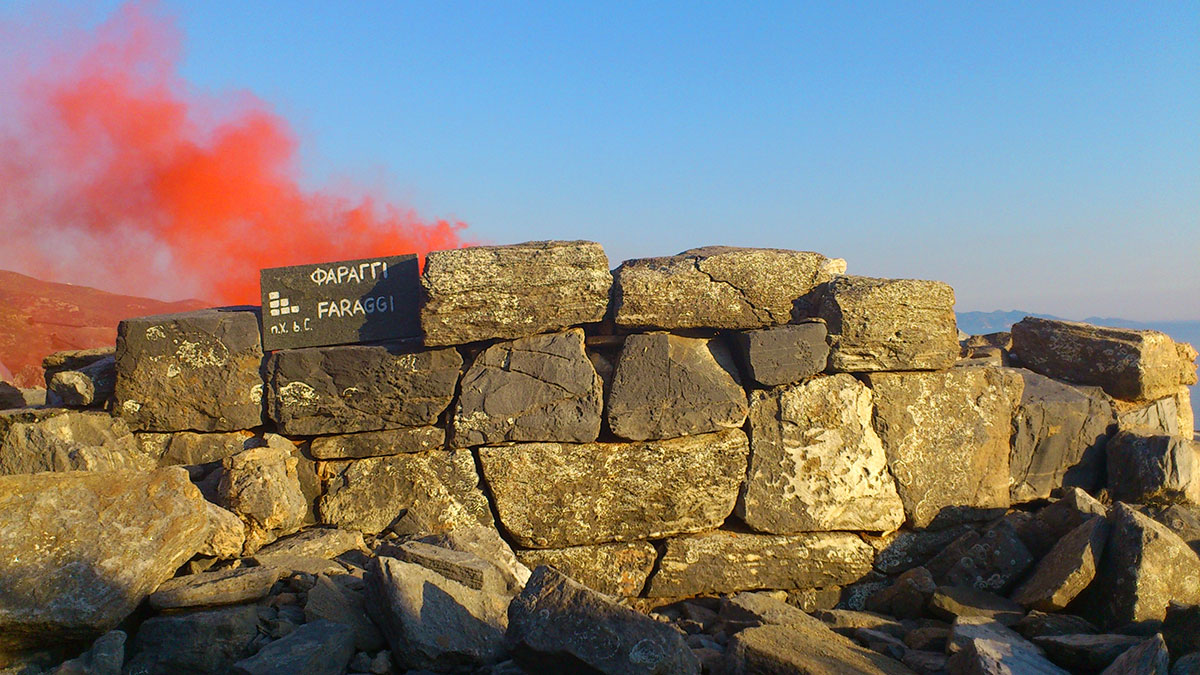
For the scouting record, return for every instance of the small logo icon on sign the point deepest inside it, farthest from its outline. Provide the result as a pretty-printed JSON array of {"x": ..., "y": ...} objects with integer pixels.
[{"x": 281, "y": 306}]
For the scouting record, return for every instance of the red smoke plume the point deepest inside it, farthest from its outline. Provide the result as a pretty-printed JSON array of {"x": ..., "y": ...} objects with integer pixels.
[{"x": 114, "y": 175}]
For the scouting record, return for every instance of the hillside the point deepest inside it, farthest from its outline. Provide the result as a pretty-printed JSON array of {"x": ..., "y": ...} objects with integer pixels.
[{"x": 41, "y": 317}]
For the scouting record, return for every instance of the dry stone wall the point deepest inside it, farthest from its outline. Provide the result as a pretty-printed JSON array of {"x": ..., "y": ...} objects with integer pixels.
[{"x": 721, "y": 421}]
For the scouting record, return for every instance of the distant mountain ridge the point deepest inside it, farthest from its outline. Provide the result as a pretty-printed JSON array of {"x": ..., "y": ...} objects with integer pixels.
[{"x": 978, "y": 323}]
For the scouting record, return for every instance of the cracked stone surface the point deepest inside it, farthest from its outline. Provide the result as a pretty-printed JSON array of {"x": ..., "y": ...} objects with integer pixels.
[
  {"x": 720, "y": 287},
  {"x": 194, "y": 371},
  {"x": 816, "y": 462},
  {"x": 889, "y": 324},
  {"x": 618, "y": 569},
  {"x": 553, "y": 495},
  {"x": 667, "y": 386},
  {"x": 1134, "y": 365},
  {"x": 1170, "y": 415},
  {"x": 540, "y": 388},
  {"x": 337, "y": 390},
  {"x": 1153, "y": 469},
  {"x": 506, "y": 292},
  {"x": 947, "y": 437}
]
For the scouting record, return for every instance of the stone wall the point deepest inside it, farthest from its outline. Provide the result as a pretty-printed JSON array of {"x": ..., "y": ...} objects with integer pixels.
[{"x": 719, "y": 421}]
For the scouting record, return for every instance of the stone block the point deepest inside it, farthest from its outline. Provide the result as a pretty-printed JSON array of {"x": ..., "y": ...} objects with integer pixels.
[
  {"x": 317, "y": 648},
  {"x": 1134, "y": 365},
  {"x": 338, "y": 602},
  {"x": 726, "y": 562},
  {"x": 803, "y": 648},
  {"x": 1159, "y": 469},
  {"x": 947, "y": 437},
  {"x": 57, "y": 439},
  {"x": 783, "y": 354},
  {"x": 993, "y": 560},
  {"x": 816, "y": 463},
  {"x": 539, "y": 388},
  {"x": 618, "y": 569},
  {"x": 553, "y": 495},
  {"x": 378, "y": 443},
  {"x": 667, "y": 386},
  {"x": 198, "y": 371},
  {"x": 506, "y": 292},
  {"x": 338, "y": 390},
  {"x": 261, "y": 486},
  {"x": 889, "y": 324},
  {"x": 1169, "y": 416},
  {"x": 89, "y": 386},
  {"x": 209, "y": 641},
  {"x": 224, "y": 587},
  {"x": 1067, "y": 569}
]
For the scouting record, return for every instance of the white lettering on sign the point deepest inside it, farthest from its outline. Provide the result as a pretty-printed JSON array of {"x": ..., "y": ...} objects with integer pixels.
[
  {"x": 285, "y": 327},
  {"x": 358, "y": 306},
  {"x": 342, "y": 274}
]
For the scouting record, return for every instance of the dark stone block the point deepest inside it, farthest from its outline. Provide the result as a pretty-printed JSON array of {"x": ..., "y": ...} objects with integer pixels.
[
  {"x": 341, "y": 302},
  {"x": 784, "y": 354}
]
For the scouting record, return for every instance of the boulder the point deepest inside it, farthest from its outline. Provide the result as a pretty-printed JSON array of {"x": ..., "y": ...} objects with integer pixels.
[
  {"x": 539, "y": 388},
  {"x": 903, "y": 550},
  {"x": 951, "y": 602},
  {"x": 1183, "y": 520},
  {"x": 261, "y": 486},
  {"x": 719, "y": 287},
  {"x": 318, "y": 648},
  {"x": 432, "y": 622},
  {"x": 484, "y": 542},
  {"x": 553, "y": 495},
  {"x": 666, "y": 386},
  {"x": 816, "y": 462},
  {"x": 947, "y": 437},
  {"x": 338, "y": 390},
  {"x": 1160, "y": 469},
  {"x": 73, "y": 359},
  {"x": 1058, "y": 437},
  {"x": 465, "y": 568},
  {"x": 1088, "y": 653},
  {"x": 1036, "y": 624},
  {"x": 57, "y": 439},
  {"x": 209, "y": 641},
  {"x": 980, "y": 646},
  {"x": 505, "y": 292},
  {"x": 783, "y": 354},
  {"x": 1067, "y": 569},
  {"x": 80, "y": 550},
  {"x": 378, "y": 443},
  {"x": 889, "y": 324},
  {"x": 619, "y": 568},
  {"x": 725, "y": 562},
  {"x": 1171, "y": 415},
  {"x": 1148, "y": 656},
  {"x": 84, "y": 387},
  {"x": 803, "y": 648},
  {"x": 1181, "y": 628},
  {"x": 420, "y": 493},
  {"x": 1144, "y": 567},
  {"x": 746, "y": 610},
  {"x": 195, "y": 371},
  {"x": 105, "y": 657},
  {"x": 316, "y": 542},
  {"x": 224, "y": 587},
  {"x": 191, "y": 448},
  {"x": 226, "y": 534},
  {"x": 1051, "y": 523},
  {"x": 1134, "y": 365},
  {"x": 331, "y": 599},
  {"x": 907, "y": 597},
  {"x": 993, "y": 560},
  {"x": 558, "y": 625}
]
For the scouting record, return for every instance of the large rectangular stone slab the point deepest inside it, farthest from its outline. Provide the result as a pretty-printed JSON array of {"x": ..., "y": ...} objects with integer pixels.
[
  {"x": 338, "y": 390},
  {"x": 1134, "y": 365},
  {"x": 342, "y": 302},
  {"x": 197, "y": 371},
  {"x": 783, "y": 354},
  {"x": 719, "y": 287},
  {"x": 947, "y": 437},
  {"x": 505, "y": 292},
  {"x": 889, "y": 324},
  {"x": 816, "y": 463},
  {"x": 727, "y": 562},
  {"x": 616, "y": 568},
  {"x": 553, "y": 495}
]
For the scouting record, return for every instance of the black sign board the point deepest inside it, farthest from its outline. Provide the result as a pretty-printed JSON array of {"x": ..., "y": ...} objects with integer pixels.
[{"x": 341, "y": 302}]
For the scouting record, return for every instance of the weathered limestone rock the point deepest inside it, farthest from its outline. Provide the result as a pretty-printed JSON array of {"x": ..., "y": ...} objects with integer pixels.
[
  {"x": 79, "y": 550},
  {"x": 947, "y": 437},
  {"x": 484, "y": 542},
  {"x": 190, "y": 448},
  {"x": 619, "y": 569},
  {"x": 226, "y": 535},
  {"x": 1183, "y": 520},
  {"x": 260, "y": 485},
  {"x": 465, "y": 568},
  {"x": 903, "y": 550},
  {"x": 338, "y": 390},
  {"x": 1058, "y": 437},
  {"x": 432, "y": 622},
  {"x": 1171, "y": 415},
  {"x": 1158, "y": 469},
  {"x": 951, "y": 602},
  {"x": 889, "y": 324},
  {"x": 56, "y": 439},
  {"x": 196, "y": 370},
  {"x": 784, "y": 354},
  {"x": 90, "y": 385},
  {"x": 980, "y": 646},
  {"x": 558, "y": 625},
  {"x": 552, "y": 495},
  {"x": 194, "y": 642},
  {"x": 991, "y": 561},
  {"x": 331, "y": 599},
  {"x": 719, "y": 287},
  {"x": 803, "y": 648},
  {"x": 666, "y": 386},
  {"x": 378, "y": 443},
  {"x": 1135, "y": 365},
  {"x": 506, "y": 292},
  {"x": 318, "y": 648},
  {"x": 816, "y": 462},
  {"x": 418, "y": 493},
  {"x": 1067, "y": 569},
  {"x": 1148, "y": 656},
  {"x": 73, "y": 359},
  {"x": 223, "y": 587},
  {"x": 316, "y": 542},
  {"x": 1087, "y": 653},
  {"x": 724, "y": 562},
  {"x": 1036, "y": 624},
  {"x": 1144, "y": 567},
  {"x": 1051, "y": 523},
  {"x": 539, "y": 388},
  {"x": 105, "y": 657}
]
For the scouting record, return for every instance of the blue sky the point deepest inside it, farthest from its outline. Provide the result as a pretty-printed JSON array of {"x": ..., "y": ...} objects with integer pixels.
[{"x": 1041, "y": 156}]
